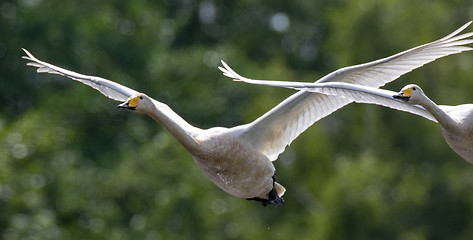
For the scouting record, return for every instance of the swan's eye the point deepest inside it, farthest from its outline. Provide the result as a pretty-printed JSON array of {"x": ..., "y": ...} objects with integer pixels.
[
  {"x": 141, "y": 98},
  {"x": 414, "y": 88}
]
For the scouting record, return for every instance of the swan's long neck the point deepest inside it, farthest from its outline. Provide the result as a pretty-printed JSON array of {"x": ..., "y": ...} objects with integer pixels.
[
  {"x": 182, "y": 131},
  {"x": 445, "y": 121}
]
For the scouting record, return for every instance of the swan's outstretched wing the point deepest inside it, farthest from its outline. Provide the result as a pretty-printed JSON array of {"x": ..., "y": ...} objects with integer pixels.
[
  {"x": 364, "y": 94},
  {"x": 276, "y": 129},
  {"x": 354, "y": 92},
  {"x": 108, "y": 88}
]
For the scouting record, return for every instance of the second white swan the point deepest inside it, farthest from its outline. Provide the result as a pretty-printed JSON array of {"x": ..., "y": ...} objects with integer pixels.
[{"x": 456, "y": 122}]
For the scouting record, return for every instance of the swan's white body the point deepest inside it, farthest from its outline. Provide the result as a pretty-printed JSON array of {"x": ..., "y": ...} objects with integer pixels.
[
  {"x": 239, "y": 159},
  {"x": 460, "y": 140}
]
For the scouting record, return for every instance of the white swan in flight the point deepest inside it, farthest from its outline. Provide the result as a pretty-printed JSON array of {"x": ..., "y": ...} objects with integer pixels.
[{"x": 239, "y": 159}]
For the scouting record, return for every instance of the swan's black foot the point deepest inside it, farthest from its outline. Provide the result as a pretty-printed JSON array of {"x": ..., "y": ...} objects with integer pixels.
[{"x": 273, "y": 197}]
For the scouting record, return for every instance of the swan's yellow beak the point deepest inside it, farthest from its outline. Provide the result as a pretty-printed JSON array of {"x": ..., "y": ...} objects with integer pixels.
[
  {"x": 405, "y": 94},
  {"x": 131, "y": 103}
]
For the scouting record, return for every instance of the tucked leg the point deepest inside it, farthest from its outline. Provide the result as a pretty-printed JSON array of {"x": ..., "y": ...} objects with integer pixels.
[{"x": 273, "y": 197}]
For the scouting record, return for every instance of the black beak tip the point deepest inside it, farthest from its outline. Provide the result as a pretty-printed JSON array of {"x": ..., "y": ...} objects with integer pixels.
[
  {"x": 401, "y": 97},
  {"x": 125, "y": 106}
]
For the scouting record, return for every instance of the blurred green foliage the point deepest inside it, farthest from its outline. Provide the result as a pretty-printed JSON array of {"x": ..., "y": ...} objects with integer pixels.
[{"x": 72, "y": 166}]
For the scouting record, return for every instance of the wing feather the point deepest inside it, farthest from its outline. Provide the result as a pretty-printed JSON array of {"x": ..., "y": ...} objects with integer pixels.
[
  {"x": 364, "y": 94},
  {"x": 108, "y": 88}
]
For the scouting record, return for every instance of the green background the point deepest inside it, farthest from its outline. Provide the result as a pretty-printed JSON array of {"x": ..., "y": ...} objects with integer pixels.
[{"x": 72, "y": 166}]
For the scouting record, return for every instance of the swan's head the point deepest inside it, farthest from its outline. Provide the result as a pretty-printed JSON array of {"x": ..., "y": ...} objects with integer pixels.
[
  {"x": 139, "y": 103},
  {"x": 410, "y": 93}
]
